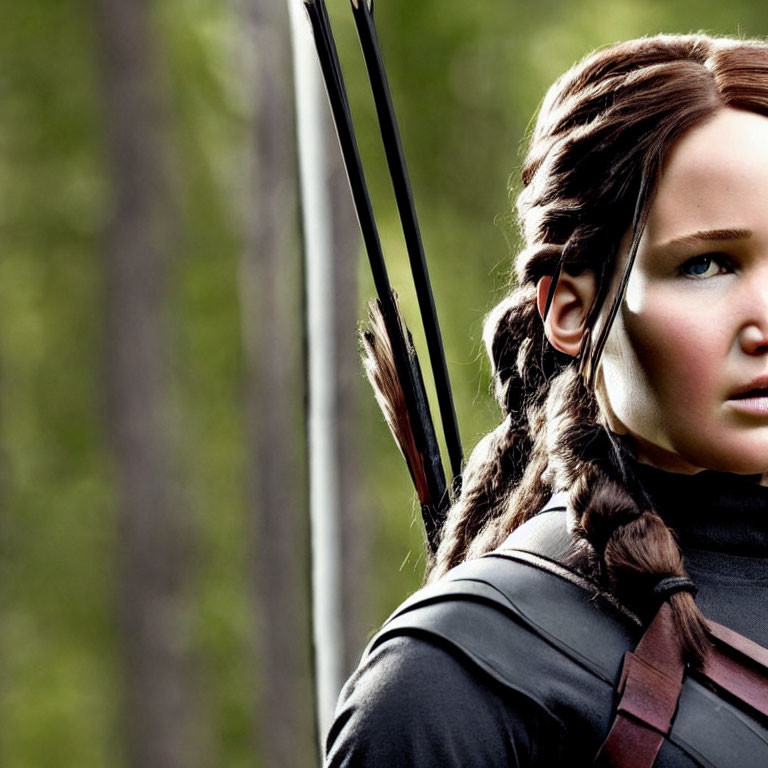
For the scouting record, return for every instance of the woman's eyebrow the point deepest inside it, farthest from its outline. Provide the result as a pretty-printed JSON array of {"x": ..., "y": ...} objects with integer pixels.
[{"x": 694, "y": 238}]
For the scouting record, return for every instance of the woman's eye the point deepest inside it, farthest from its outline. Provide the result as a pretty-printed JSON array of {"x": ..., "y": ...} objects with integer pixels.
[{"x": 704, "y": 266}]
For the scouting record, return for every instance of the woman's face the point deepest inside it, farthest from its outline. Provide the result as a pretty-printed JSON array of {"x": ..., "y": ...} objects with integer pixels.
[{"x": 685, "y": 369}]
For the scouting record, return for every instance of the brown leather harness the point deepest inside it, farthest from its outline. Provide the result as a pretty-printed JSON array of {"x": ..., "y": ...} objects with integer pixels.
[{"x": 651, "y": 681}]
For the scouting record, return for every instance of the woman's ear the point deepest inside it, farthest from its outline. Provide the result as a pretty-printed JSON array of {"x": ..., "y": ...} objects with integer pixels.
[{"x": 564, "y": 325}]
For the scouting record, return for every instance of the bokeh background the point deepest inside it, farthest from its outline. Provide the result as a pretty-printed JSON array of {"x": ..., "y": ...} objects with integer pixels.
[{"x": 154, "y": 555}]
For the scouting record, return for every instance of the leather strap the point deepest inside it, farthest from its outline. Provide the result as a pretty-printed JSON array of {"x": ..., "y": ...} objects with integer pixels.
[
  {"x": 649, "y": 689},
  {"x": 743, "y": 645},
  {"x": 651, "y": 681},
  {"x": 735, "y": 665},
  {"x": 739, "y": 667}
]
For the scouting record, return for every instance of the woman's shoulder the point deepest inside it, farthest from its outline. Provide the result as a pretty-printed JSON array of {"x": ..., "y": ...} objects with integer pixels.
[
  {"x": 415, "y": 700},
  {"x": 520, "y": 597},
  {"x": 476, "y": 666}
]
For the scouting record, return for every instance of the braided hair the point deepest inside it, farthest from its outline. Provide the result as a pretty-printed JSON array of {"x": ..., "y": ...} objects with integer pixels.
[{"x": 600, "y": 140}]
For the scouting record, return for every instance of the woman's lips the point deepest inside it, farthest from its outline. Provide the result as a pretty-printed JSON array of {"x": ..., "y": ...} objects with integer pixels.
[
  {"x": 755, "y": 403},
  {"x": 751, "y": 398},
  {"x": 756, "y": 388}
]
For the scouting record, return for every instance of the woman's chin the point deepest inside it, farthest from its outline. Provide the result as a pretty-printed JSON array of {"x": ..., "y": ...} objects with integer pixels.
[{"x": 742, "y": 458}]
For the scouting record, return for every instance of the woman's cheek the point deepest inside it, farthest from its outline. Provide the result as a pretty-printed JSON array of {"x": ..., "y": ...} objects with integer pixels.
[{"x": 681, "y": 364}]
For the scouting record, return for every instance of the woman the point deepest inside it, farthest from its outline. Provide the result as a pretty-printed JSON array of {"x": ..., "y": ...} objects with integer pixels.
[{"x": 631, "y": 364}]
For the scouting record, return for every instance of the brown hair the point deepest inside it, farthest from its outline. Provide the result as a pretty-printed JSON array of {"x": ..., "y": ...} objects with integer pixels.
[{"x": 601, "y": 137}]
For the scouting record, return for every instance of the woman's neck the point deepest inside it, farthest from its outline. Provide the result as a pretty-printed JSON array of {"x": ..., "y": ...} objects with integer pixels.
[{"x": 716, "y": 511}]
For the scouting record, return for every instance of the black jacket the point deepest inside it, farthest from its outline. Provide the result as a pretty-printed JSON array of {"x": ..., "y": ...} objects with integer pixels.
[{"x": 504, "y": 663}]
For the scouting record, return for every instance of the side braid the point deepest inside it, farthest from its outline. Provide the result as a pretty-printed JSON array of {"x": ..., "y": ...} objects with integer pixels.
[
  {"x": 523, "y": 364},
  {"x": 629, "y": 547}
]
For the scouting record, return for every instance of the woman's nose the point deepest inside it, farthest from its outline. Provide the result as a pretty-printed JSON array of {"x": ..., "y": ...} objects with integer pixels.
[{"x": 754, "y": 338}]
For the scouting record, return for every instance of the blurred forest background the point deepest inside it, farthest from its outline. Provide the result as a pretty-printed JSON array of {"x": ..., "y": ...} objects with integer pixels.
[{"x": 154, "y": 561}]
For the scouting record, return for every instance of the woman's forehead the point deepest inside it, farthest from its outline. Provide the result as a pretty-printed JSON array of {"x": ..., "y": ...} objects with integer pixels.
[{"x": 715, "y": 179}]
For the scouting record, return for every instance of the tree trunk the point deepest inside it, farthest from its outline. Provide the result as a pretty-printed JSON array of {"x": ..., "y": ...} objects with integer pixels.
[
  {"x": 151, "y": 527},
  {"x": 271, "y": 301},
  {"x": 355, "y": 527}
]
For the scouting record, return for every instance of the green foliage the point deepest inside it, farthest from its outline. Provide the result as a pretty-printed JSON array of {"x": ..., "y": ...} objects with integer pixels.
[
  {"x": 59, "y": 677},
  {"x": 466, "y": 78}
]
